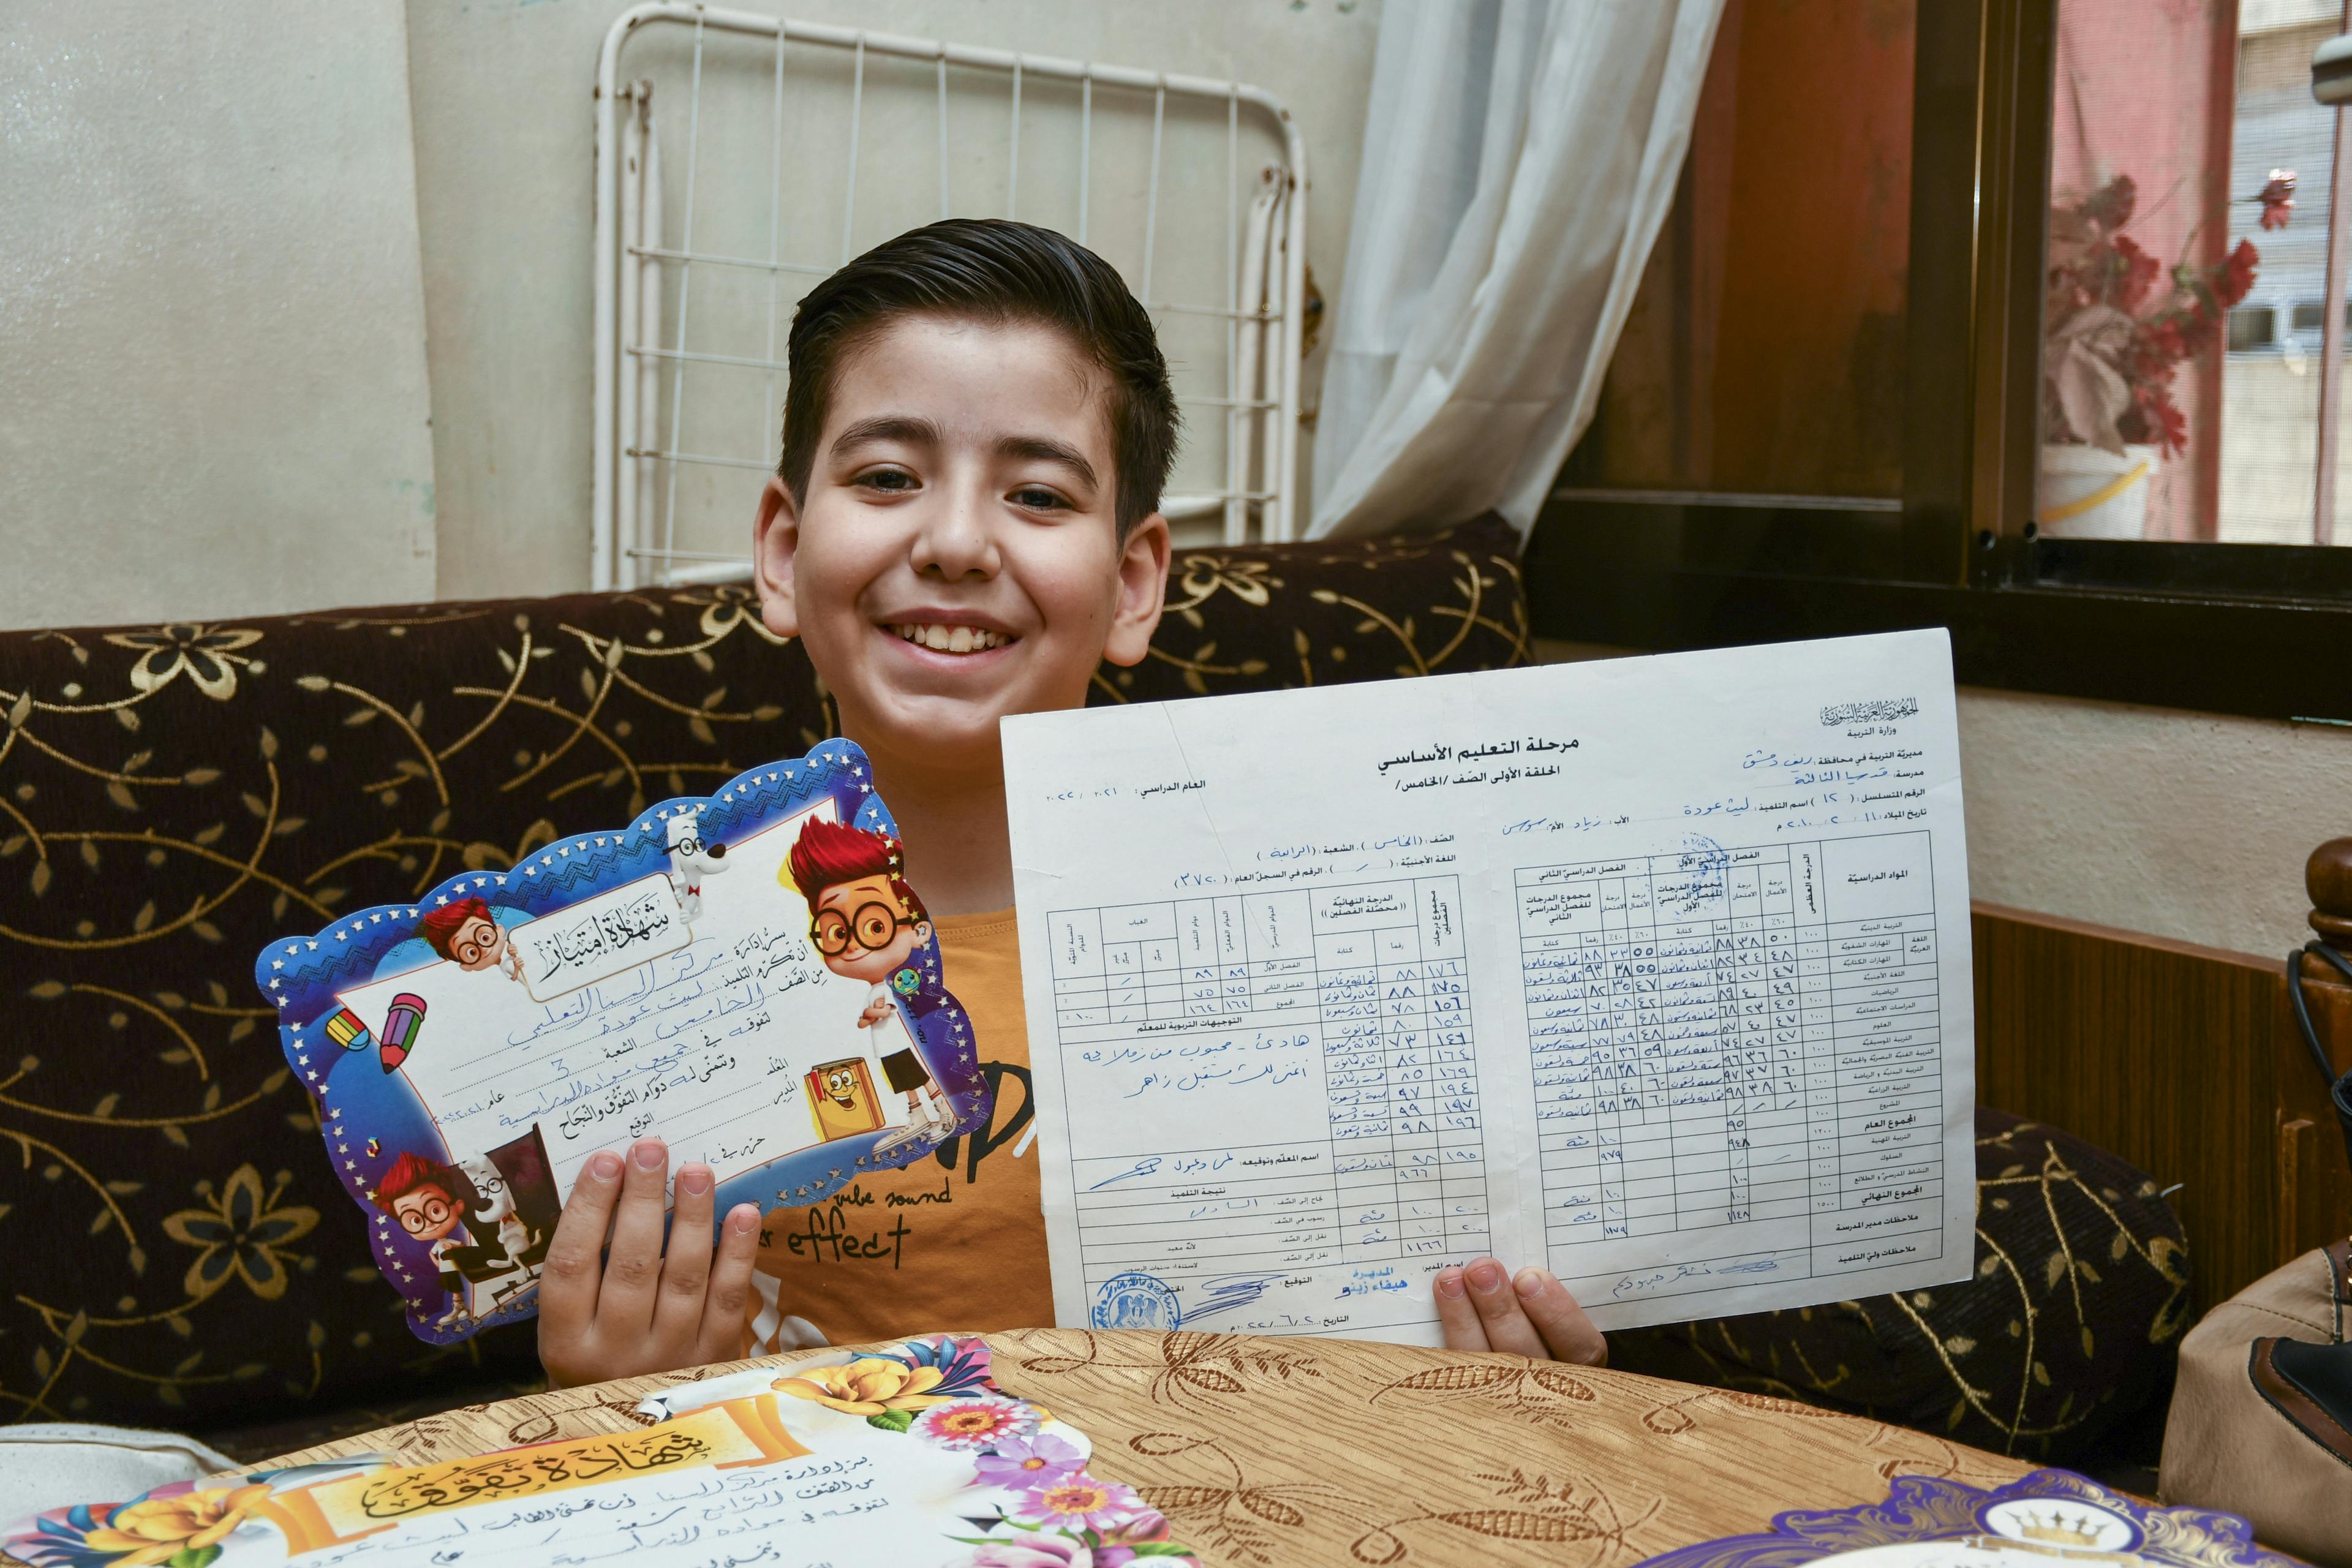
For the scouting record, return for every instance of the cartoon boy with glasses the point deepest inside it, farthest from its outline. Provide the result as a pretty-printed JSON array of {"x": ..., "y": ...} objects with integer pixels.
[
  {"x": 426, "y": 1198},
  {"x": 469, "y": 936},
  {"x": 867, "y": 924}
]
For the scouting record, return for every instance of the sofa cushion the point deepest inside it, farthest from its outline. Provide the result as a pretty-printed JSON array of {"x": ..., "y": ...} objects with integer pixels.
[
  {"x": 2070, "y": 1319},
  {"x": 172, "y": 797}
]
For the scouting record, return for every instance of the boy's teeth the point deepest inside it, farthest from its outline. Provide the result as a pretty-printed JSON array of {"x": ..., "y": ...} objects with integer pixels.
[{"x": 952, "y": 639}]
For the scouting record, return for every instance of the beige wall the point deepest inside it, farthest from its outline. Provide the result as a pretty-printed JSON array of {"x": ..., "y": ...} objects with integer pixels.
[
  {"x": 2184, "y": 824},
  {"x": 2187, "y": 825},
  {"x": 2270, "y": 450},
  {"x": 211, "y": 326},
  {"x": 504, "y": 136}
]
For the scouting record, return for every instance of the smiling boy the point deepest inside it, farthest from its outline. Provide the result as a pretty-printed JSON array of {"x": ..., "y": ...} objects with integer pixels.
[{"x": 964, "y": 525}]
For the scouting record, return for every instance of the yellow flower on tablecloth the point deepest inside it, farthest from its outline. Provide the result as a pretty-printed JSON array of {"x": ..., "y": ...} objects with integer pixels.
[
  {"x": 207, "y": 655},
  {"x": 241, "y": 1233},
  {"x": 155, "y": 1530},
  {"x": 866, "y": 1386}
]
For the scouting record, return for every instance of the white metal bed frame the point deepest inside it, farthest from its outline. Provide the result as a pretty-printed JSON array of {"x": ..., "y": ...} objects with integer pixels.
[{"x": 637, "y": 468}]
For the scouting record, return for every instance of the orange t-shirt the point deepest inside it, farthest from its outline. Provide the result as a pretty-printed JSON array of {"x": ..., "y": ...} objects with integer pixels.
[{"x": 956, "y": 1240}]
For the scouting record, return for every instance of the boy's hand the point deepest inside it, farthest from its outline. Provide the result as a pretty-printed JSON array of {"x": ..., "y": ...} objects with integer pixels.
[
  {"x": 875, "y": 1011},
  {"x": 1483, "y": 1308},
  {"x": 640, "y": 1311}
]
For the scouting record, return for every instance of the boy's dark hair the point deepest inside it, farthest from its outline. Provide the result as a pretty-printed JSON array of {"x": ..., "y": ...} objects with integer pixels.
[{"x": 994, "y": 270}]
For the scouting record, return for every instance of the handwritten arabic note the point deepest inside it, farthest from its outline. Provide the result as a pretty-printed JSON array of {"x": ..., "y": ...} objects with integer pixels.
[{"x": 1653, "y": 970}]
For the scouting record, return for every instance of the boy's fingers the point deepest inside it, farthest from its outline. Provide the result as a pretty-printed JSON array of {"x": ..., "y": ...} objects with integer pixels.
[
  {"x": 725, "y": 1315},
  {"x": 1456, "y": 1315},
  {"x": 686, "y": 1270},
  {"x": 569, "y": 1278},
  {"x": 633, "y": 1268},
  {"x": 1499, "y": 1315},
  {"x": 1567, "y": 1332}
]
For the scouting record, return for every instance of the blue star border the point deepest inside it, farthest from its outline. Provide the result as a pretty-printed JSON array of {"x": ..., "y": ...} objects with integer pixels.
[{"x": 368, "y": 1119}]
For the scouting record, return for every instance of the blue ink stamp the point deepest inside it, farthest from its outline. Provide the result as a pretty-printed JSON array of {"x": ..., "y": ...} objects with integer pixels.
[{"x": 1135, "y": 1301}]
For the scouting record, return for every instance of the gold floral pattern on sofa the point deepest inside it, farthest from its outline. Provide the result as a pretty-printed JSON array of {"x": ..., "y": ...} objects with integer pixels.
[{"x": 171, "y": 797}]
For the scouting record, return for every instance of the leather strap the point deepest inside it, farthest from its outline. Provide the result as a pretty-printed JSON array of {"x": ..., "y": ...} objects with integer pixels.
[
  {"x": 2339, "y": 1089},
  {"x": 2339, "y": 1282},
  {"x": 2294, "y": 1402}
]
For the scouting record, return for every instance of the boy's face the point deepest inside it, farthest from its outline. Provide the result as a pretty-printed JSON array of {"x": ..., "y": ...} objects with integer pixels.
[{"x": 957, "y": 557}]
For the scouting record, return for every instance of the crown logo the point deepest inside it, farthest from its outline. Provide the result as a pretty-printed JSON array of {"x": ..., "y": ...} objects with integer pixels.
[{"x": 2056, "y": 1526}]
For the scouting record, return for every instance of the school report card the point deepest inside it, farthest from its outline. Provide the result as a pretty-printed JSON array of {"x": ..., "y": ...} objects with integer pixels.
[{"x": 1653, "y": 970}]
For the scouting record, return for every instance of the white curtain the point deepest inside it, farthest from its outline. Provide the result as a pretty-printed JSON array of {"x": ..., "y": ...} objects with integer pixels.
[{"x": 1519, "y": 156}]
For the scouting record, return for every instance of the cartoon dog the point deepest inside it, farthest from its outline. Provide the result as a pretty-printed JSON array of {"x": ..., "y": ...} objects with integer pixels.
[
  {"x": 503, "y": 1259},
  {"x": 691, "y": 861}
]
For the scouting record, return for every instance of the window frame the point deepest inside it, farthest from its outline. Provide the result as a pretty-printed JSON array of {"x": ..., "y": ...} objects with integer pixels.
[{"x": 2261, "y": 630}]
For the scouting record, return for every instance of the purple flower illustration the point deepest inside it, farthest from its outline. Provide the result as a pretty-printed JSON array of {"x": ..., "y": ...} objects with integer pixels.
[{"x": 1026, "y": 1463}]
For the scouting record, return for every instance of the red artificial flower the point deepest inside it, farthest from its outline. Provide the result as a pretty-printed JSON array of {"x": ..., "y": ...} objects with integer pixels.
[
  {"x": 2162, "y": 343},
  {"x": 2237, "y": 275},
  {"x": 2277, "y": 198},
  {"x": 2108, "y": 298},
  {"x": 2155, "y": 418},
  {"x": 2139, "y": 273}
]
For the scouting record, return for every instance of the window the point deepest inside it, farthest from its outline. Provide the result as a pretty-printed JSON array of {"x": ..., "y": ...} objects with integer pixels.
[
  {"x": 1764, "y": 353},
  {"x": 1857, "y": 389},
  {"x": 2255, "y": 327}
]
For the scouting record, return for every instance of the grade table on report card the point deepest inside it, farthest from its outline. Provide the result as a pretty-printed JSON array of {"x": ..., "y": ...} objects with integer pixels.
[
  {"x": 1341, "y": 1016},
  {"x": 1740, "y": 1048}
]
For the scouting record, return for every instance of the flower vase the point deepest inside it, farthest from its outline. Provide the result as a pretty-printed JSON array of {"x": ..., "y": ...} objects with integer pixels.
[{"x": 2088, "y": 493}]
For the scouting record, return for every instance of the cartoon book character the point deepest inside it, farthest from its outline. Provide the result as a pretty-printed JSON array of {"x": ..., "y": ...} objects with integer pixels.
[
  {"x": 469, "y": 936},
  {"x": 691, "y": 861},
  {"x": 841, "y": 1098},
  {"x": 867, "y": 924}
]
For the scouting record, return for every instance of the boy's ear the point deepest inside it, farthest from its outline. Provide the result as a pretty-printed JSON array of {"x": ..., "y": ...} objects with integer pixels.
[
  {"x": 1142, "y": 590},
  {"x": 775, "y": 540}
]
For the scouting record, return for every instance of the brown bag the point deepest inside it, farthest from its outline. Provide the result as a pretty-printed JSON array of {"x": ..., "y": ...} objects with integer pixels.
[{"x": 2261, "y": 1417}]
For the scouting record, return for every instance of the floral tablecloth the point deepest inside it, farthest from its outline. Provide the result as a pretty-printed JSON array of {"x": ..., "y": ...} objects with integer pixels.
[{"x": 1265, "y": 1451}]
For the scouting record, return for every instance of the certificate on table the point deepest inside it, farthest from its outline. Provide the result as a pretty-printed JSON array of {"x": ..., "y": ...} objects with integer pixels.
[{"x": 1653, "y": 971}]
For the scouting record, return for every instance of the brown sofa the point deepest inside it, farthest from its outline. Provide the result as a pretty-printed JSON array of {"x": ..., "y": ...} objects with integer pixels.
[{"x": 175, "y": 1251}]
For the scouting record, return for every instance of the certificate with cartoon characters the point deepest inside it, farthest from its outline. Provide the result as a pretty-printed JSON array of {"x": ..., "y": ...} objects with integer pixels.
[
  {"x": 908, "y": 1454},
  {"x": 747, "y": 976}
]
